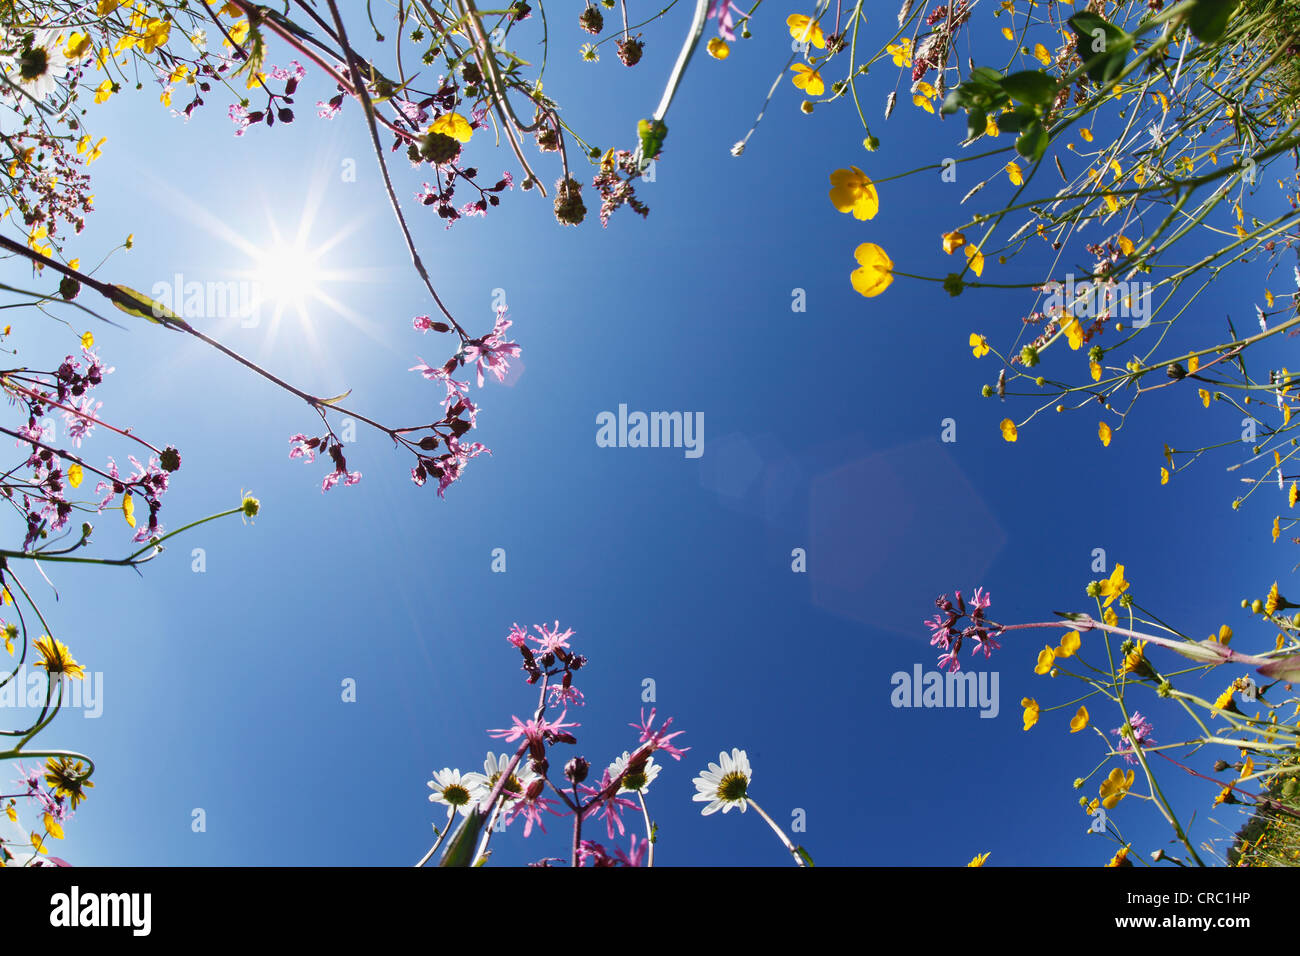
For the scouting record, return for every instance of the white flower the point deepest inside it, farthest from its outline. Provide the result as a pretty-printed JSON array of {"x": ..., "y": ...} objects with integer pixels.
[
  {"x": 725, "y": 784},
  {"x": 634, "y": 781},
  {"x": 455, "y": 789},
  {"x": 199, "y": 40},
  {"x": 518, "y": 782},
  {"x": 38, "y": 68}
]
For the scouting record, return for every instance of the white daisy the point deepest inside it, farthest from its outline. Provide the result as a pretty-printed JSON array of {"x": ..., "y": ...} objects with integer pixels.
[
  {"x": 725, "y": 784},
  {"x": 454, "y": 789},
  {"x": 634, "y": 781},
  {"x": 516, "y": 784},
  {"x": 38, "y": 68}
]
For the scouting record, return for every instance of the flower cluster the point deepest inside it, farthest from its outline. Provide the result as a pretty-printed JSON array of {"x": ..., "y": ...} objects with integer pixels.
[{"x": 948, "y": 634}]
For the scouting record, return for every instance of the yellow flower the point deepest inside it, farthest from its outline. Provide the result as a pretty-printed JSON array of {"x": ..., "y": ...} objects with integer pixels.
[
  {"x": 979, "y": 345},
  {"x": 57, "y": 659},
  {"x": 1041, "y": 54},
  {"x": 975, "y": 259},
  {"x": 1277, "y": 528},
  {"x": 1135, "y": 660},
  {"x": 1225, "y": 701},
  {"x": 1031, "y": 711},
  {"x": 1095, "y": 369},
  {"x": 1086, "y": 134},
  {"x": 1194, "y": 364},
  {"x": 1070, "y": 643},
  {"x": 78, "y": 45},
  {"x": 875, "y": 271},
  {"x": 1009, "y": 431},
  {"x": 238, "y": 33},
  {"x": 1046, "y": 661},
  {"x": 1006, "y": 32},
  {"x": 1225, "y": 635},
  {"x": 1293, "y": 495},
  {"x": 1115, "y": 788},
  {"x": 1205, "y": 397},
  {"x": 718, "y": 48},
  {"x": 106, "y": 7},
  {"x": 1164, "y": 475},
  {"x": 103, "y": 91},
  {"x": 1079, "y": 720},
  {"x": 128, "y": 509},
  {"x": 453, "y": 125},
  {"x": 1073, "y": 332},
  {"x": 1125, "y": 245},
  {"x": 10, "y": 632},
  {"x": 805, "y": 30},
  {"x": 807, "y": 79},
  {"x": 852, "y": 191},
  {"x": 951, "y": 240},
  {"x": 1104, "y": 433},
  {"x": 1114, "y": 586},
  {"x": 1120, "y": 858},
  {"x": 1108, "y": 616},
  {"x": 978, "y": 859},
  {"x": 1016, "y": 176},
  {"x": 1271, "y": 603},
  {"x": 75, "y": 475},
  {"x": 52, "y": 826},
  {"x": 923, "y": 102},
  {"x": 901, "y": 52}
]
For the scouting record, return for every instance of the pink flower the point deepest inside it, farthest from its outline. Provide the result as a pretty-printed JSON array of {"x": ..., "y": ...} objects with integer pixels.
[
  {"x": 611, "y": 805},
  {"x": 517, "y": 635},
  {"x": 659, "y": 738},
  {"x": 535, "y": 729},
  {"x": 492, "y": 350},
  {"x": 551, "y": 639}
]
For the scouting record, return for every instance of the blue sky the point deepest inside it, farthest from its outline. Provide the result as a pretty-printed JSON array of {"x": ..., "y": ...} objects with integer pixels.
[{"x": 822, "y": 432}]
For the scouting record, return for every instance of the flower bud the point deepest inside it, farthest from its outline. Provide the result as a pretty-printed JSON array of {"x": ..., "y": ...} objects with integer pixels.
[{"x": 575, "y": 771}]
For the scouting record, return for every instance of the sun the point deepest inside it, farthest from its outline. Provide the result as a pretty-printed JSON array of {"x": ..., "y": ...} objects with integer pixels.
[{"x": 287, "y": 276}]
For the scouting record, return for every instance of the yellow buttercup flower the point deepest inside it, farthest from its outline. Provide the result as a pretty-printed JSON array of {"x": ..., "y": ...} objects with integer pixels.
[
  {"x": 1013, "y": 172},
  {"x": 1109, "y": 616},
  {"x": 1095, "y": 369},
  {"x": 808, "y": 79},
  {"x": 1114, "y": 586},
  {"x": 852, "y": 191},
  {"x": 979, "y": 345},
  {"x": 1086, "y": 134},
  {"x": 1273, "y": 599},
  {"x": 718, "y": 49},
  {"x": 1225, "y": 701},
  {"x": 1277, "y": 529},
  {"x": 1073, "y": 332},
  {"x": 806, "y": 30},
  {"x": 1009, "y": 430},
  {"x": 57, "y": 659},
  {"x": 1041, "y": 54},
  {"x": 1104, "y": 433},
  {"x": 1079, "y": 720},
  {"x": 1115, "y": 788},
  {"x": 901, "y": 52},
  {"x": 975, "y": 258},
  {"x": 1070, "y": 643},
  {"x": 1120, "y": 858},
  {"x": 453, "y": 125},
  {"x": 952, "y": 240},
  {"x": 1164, "y": 476},
  {"x": 1205, "y": 397},
  {"x": 1046, "y": 661},
  {"x": 103, "y": 91},
  {"x": 978, "y": 859},
  {"x": 1031, "y": 711},
  {"x": 1293, "y": 495},
  {"x": 875, "y": 271}
]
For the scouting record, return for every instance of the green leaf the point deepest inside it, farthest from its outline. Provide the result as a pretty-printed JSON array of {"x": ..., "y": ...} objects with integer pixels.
[
  {"x": 1030, "y": 86},
  {"x": 1103, "y": 46},
  {"x": 1209, "y": 19},
  {"x": 807, "y": 857},
  {"x": 1032, "y": 143},
  {"x": 976, "y": 122},
  {"x": 461, "y": 850},
  {"x": 148, "y": 309},
  {"x": 335, "y": 400}
]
